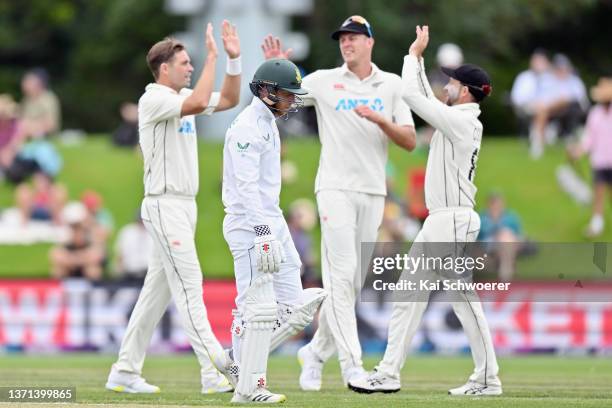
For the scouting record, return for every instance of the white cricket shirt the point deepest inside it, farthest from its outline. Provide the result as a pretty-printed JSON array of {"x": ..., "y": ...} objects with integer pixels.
[
  {"x": 453, "y": 153},
  {"x": 169, "y": 142},
  {"x": 353, "y": 149},
  {"x": 251, "y": 166}
]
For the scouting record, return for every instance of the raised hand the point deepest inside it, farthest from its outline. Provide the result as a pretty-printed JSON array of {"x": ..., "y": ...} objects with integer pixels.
[
  {"x": 271, "y": 48},
  {"x": 421, "y": 41},
  {"x": 231, "y": 42},
  {"x": 211, "y": 45}
]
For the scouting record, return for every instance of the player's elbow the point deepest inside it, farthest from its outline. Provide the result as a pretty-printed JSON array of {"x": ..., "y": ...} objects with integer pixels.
[{"x": 409, "y": 138}]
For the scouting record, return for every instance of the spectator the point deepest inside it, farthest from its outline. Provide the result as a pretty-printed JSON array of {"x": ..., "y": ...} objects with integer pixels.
[
  {"x": 80, "y": 256},
  {"x": 28, "y": 151},
  {"x": 501, "y": 228},
  {"x": 133, "y": 249},
  {"x": 99, "y": 218},
  {"x": 529, "y": 89},
  {"x": 9, "y": 128},
  {"x": 126, "y": 135},
  {"x": 301, "y": 219},
  {"x": 43, "y": 201},
  {"x": 597, "y": 142},
  {"x": 565, "y": 103},
  {"x": 40, "y": 107}
]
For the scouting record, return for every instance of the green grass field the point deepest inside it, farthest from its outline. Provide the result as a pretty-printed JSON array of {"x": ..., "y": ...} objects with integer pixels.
[
  {"x": 542, "y": 381},
  {"x": 530, "y": 188}
]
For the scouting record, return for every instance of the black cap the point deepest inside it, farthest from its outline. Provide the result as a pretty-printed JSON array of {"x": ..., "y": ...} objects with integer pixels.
[
  {"x": 475, "y": 78},
  {"x": 354, "y": 24}
]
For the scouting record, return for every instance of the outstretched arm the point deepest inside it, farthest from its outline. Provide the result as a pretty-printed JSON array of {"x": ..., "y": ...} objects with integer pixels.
[
  {"x": 200, "y": 98},
  {"x": 230, "y": 90},
  {"x": 417, "y": 92}
]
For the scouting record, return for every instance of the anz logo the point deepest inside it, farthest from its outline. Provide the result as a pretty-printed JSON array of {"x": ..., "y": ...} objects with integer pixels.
[
  {"x": 187, "y": 127},
  {"x": 351, "y": 103}
]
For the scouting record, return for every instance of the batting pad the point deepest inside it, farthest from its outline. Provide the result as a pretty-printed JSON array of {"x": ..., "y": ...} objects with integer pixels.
[
  {"x": 259, "y": 316},
  {"x": 293, "y": 320}
]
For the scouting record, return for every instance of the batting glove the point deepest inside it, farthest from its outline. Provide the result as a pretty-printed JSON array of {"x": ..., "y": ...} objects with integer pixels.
[{"x": 267, "y": 250}]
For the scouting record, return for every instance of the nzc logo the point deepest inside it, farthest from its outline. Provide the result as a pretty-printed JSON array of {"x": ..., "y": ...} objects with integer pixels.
[{"x": 351, "y": 103}]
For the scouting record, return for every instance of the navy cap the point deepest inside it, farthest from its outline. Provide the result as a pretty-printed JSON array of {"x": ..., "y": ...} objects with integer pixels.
[
  {"x": 354, "y": 24},
  {"x": 475, "y": 78}
]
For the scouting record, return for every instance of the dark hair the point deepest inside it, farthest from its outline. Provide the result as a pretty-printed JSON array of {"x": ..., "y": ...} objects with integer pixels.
[{"x": 163, "y": 51}]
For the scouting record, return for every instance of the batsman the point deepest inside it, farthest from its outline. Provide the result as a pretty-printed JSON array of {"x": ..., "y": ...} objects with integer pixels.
[{"x": 271, "y": 305}]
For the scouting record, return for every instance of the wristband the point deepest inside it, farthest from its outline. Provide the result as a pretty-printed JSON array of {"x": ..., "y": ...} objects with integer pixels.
[{"x": 234, "y": 66}]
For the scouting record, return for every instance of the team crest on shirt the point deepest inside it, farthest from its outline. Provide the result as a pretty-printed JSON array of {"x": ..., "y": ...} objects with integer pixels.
[{"x": 243, "y": 147}]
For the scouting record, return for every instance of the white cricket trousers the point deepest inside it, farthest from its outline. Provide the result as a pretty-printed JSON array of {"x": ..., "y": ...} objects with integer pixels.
[
  {"x": 239, "y": 237},
  {"x": 174, "y": 273},
  {"x": 446, "y": 225},
  {"x": 348, "y": 218}
]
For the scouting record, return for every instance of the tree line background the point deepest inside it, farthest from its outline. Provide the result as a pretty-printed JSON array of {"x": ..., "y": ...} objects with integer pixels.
[{"x": 95, "y": 50}]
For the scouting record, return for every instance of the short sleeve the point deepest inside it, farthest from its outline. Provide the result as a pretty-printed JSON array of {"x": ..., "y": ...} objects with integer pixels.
[
  {"x": 158, "y": 106},
  {"x": 310, "y": 83}
]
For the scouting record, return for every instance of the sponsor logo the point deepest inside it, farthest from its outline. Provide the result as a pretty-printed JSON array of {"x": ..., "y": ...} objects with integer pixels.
[
  {"x": 339, "y": 87},
  {"x": 243, "y": 147},
  {"x": 187, "y": 127},
  {"x": 351, "y": 103}
]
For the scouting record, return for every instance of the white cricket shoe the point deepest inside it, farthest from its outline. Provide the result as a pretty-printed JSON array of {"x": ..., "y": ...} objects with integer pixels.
[
  {"x": 259, "y": 396},
  {"x": 312, "y": 369},
  {"x": 354, "y": 374},
  {"x": 472, "y": 388},
  {"x": 129, "y": 383},
  {"x": 375, "y": 382},
  {"x": 215, "y": 383}
]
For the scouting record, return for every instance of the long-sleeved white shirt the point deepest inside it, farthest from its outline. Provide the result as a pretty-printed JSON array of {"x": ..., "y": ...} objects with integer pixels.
[
  {"x": 168, "y": 141},
  {"x": 353, "y": 149},
  {"x": 251, "y": 166},
  {"x": 455, "y": 145}
]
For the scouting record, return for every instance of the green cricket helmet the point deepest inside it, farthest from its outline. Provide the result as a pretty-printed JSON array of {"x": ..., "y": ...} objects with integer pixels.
[{"x": 278, "y": 74}]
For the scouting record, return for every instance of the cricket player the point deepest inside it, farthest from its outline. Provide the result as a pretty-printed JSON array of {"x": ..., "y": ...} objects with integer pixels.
[
  {"x": 271, "y": 304},
  {"x": 449, "y": 194},
  {"x": 168, "y": 141},
  {"x": 359, "y": 108}
]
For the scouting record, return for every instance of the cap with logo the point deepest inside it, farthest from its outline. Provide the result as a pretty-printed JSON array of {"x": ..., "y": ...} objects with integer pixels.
[
  {"x": 354, "y": 24},
  {"x": 475, "y": 78}
]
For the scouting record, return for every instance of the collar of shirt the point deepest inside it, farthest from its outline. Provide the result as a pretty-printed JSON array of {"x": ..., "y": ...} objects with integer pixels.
[
  {"x": 161, "y": 87},
  {"x": 471, "y": 106},
  {"x": 261, "y": 108},
  {"x": 347, "y": 72}
]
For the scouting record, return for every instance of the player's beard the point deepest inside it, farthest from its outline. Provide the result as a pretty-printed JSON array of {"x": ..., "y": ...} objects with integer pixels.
[{"x": 452, "y": 94}]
